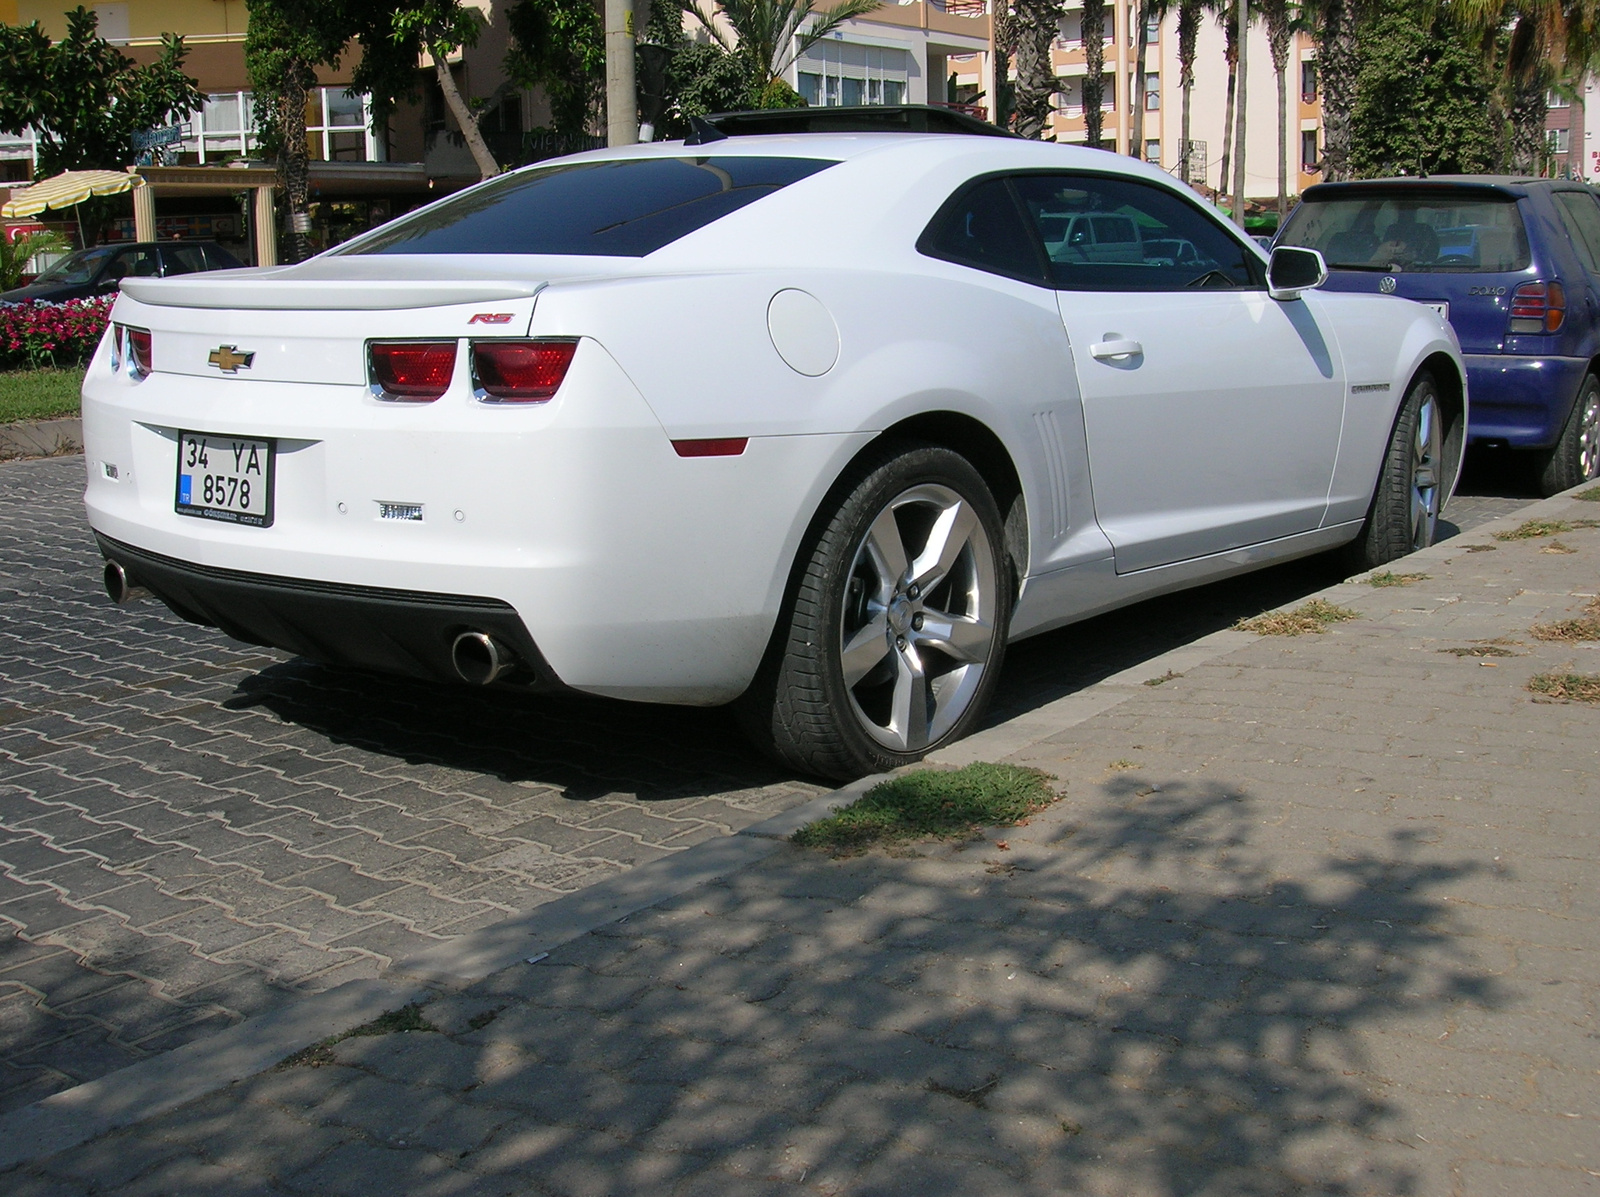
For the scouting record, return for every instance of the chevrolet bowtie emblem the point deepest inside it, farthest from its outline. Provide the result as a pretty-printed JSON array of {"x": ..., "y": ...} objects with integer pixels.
[{"x": 229, "y": 360}]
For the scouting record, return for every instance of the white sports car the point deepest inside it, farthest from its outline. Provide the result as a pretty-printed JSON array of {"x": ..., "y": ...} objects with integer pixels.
[{"x": 813, "y": 422}]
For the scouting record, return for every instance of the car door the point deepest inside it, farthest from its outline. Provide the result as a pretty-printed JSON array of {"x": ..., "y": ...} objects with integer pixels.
[{"x": 1212, "y": 412}]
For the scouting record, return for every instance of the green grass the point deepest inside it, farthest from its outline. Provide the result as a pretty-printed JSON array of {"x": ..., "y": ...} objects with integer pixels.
[
  {"x": 933, "y": 804},
  {"x": 1584, "y": 687},
  {"x": 1311, "y": 616},
  {"x": 1532, "y": 529},
  {"x": 38, "y": 394},
  {"x": 1389, "y": 578},
  {"x": 1592, "y": 495}
]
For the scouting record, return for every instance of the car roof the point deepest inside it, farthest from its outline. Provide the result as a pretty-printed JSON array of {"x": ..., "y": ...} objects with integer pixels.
[
  {"x": 1514, "y": 186},
  {"x": 864, "y": 118}
]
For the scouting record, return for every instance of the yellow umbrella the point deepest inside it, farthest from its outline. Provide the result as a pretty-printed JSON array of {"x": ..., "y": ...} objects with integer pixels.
[{"x": 65, "y": 190}]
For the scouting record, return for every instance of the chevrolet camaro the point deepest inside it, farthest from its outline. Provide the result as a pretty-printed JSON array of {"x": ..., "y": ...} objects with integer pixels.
[{"x": 811, "y": 423}]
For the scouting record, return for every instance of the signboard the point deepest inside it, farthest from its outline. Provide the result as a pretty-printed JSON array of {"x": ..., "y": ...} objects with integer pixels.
[{"x": 149, "y": 139}]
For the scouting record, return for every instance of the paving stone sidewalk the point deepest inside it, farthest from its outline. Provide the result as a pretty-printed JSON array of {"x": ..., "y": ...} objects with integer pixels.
[{"x": 1316, "y": 917}]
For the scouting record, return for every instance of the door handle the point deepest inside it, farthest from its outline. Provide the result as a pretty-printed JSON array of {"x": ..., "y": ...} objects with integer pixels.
[{"x": 1117, "y": 348}]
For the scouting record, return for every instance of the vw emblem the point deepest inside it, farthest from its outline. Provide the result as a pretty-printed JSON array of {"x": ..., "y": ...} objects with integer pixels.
[{"x": 1386, "y": 284}]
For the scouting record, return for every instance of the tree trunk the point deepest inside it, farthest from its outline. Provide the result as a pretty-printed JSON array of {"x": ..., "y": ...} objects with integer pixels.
[
  {"x": 1094, "y": 56},
  {"x": 1036, "y": 77},
  {"x": 1188, "y": 35},
  {"x": 1278, "y": 38},
  {"x": 1231, "y": 52},
  {"x": 1141, "y": 13},
  {"x": 1528, "y": 111},
  {"x": 1336, "y": 68},
  {"x": 1243, "y": 110},
  {"x": 487, "y": 166},
  {"x": 1577, "y": 143},
  {"x": 296, "y": 164}
]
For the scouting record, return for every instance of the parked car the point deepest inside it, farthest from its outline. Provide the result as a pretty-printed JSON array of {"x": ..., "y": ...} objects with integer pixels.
[
  {"x": 99, "y": 269},
  {"x": 1515, "y": 266},
  {"x": 611, "y": 424}
]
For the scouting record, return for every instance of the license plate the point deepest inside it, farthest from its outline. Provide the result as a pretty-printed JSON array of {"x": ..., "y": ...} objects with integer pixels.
[
  {"x": 225, "y": 478},
  {"x": 1439, "y": 306}
]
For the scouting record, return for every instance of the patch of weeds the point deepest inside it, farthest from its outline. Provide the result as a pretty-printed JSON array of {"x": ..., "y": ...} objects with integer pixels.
[
  {"x": 482, "y": 1019},
  {"x": 1389, "y": 578},
  {"x": 1584, "y": 628},
  {"x": 1479, "y": 650},
  {"x": 407, "y": 1018},
  {"x": 978, "y": 1095},
  {"x": 1165, "y": 677},
  {"x": 1592, "y": 495},
  {"x": 1532, "y": 529},
  {"x": 1482, "y": 548},
  {"x": 1580, "y": 687},
  {"x": 1556, "y": 546},
  {"x": 1312, "y": 616},
  {"x": 1122, "y": 764},
  {"x": 941, "y": 804}
]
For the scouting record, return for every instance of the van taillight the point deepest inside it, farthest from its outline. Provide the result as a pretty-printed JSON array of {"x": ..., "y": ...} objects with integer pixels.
[
  {"x": 411, "y": 371},
  {"x": 520, "y": 371},
  {"x": 1538, "y": 308}
]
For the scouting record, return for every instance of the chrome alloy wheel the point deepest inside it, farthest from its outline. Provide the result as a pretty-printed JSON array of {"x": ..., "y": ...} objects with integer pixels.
[
  {"x": 918, "y": 627},
  {"x": 1589, "y": 436},
  {"x": 1425, "y": 471}
]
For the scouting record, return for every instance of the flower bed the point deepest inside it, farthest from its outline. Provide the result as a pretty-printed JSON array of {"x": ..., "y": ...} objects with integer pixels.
[{"x": 51, "y": 334}]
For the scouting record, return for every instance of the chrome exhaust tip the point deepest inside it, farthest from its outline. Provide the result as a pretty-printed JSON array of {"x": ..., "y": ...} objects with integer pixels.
[
  {"x": 480, "y": 659},
  {"x": 120, "y": 586}
]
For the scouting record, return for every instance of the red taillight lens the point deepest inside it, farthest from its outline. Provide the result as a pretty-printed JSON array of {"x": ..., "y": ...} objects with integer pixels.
[
  {"x": 139, "y": 358},
  {"x": 520, "y": 371},
  {"x": 1538, "y": 308},
  {"x": 412, "y": 371}
]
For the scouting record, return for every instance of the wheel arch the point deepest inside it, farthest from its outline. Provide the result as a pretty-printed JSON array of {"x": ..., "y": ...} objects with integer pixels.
[{"x": 1447, "y": 372}]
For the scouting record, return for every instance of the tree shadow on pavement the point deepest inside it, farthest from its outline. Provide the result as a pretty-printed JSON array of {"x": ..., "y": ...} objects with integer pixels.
[{"x": 1145, "y": 1001}]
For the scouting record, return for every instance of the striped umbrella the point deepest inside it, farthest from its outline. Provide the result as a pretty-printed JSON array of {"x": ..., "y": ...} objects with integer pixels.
[{"x": 65, "y": 190}]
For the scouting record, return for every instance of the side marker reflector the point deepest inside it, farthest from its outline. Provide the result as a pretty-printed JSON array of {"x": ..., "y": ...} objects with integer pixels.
[{"x": 727, "y": 446}]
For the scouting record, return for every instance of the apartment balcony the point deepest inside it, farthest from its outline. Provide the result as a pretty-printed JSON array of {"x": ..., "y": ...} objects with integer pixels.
[{"x": 966, "y": 20}]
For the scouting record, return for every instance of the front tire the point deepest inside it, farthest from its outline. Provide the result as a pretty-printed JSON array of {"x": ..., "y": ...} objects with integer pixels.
[
  {"x": 1404, "y": 515},
  {"x": 895, "y": 631},
  {"x": 1576, "y": 456}
]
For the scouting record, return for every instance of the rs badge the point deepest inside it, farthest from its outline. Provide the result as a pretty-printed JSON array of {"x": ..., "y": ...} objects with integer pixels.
[{"x": 229, "y": 360}]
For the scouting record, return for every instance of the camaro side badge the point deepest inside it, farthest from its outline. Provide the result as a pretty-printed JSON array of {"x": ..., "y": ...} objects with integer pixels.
[
  {"x": 229, "y": 360},
  {"x": 490, "y": 318}
]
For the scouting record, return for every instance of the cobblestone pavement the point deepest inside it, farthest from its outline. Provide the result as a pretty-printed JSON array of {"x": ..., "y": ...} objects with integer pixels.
[
  {"x": 192, "y": 830},
  {"x": 1316, "y": 917}
]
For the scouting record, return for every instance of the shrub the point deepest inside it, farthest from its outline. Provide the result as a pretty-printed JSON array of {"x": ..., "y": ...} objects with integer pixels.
[{"x": 34, "y": 335}]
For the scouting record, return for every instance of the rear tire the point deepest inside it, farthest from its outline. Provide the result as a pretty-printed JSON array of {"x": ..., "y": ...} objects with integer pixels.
[
  {"x": 895, "y": 629},
  {"x": 1404, "y": 515},
  {"x": 1576, "y": 456}
]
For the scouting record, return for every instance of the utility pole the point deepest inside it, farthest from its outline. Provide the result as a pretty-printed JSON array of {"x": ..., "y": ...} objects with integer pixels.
[
  {"x": 622, "y": 99},
  {"x": 1239, "y": 131}
]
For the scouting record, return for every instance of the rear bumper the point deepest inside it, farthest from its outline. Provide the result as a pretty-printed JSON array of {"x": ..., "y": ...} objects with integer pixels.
[
  {"x": 405, "y": 632},
  {"x": 1521, "y": 402}
]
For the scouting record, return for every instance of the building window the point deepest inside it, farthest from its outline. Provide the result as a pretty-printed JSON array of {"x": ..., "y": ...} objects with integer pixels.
[
  {"x": 844, "y": 73},
  {"x": 810, "y": 88},
  {"x": 1308, "y": 152},
  {"x": 1558, "y": 141},
  {"x": 1308, "y": 81},
  {"x": 1152, "y": 151},
  {"x": 1552, "y": 100},
  {"x": 1152, "y": 93}
]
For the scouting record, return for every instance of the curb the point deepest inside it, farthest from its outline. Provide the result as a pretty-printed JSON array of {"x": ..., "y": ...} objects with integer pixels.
[
  {"x": 152, "y": 1087},
  {"x": 41, "y": 438}
]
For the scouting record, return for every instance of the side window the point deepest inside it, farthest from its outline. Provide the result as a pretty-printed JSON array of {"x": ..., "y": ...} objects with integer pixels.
[
  {"x": 1581, "y": 213},
  {"x": 183, "y": 259},
  {"x": 1145, "y": 238},
  {"x": 982, "y": 227}
]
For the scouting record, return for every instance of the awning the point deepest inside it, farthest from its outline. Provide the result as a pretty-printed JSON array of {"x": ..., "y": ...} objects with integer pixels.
[{"x": 65, "y": 190}]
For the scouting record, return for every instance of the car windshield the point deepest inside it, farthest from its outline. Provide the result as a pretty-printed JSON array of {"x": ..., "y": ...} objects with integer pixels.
[
  {"x": 626, "y": 208},
  {"x": 77, "y": 268},
  {"x": 1394, "y": 231}
]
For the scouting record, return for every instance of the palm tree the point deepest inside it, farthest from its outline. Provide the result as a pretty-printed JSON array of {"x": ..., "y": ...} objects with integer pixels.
[
  {"x": 1094, "y": 57},
  {"x": 17, "y": 252},
  {"x": 1243, "y": 38},
  {"x": 1035, "y": 23},
  {"x": 1334, "y": 24},
  {"x": 771, "y": 34},
  {"x": 1279, "y": 27},
  {"x": 1226, "y": 14},
  {"x": 1188, "y": 39},
  {"x": 1147, "y": 11}
]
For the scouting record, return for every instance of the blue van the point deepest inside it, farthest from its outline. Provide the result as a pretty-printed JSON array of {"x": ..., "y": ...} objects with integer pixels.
[{"x": 1514, "y": 265}]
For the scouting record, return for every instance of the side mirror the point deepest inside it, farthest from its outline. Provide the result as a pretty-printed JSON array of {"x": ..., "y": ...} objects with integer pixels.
[{"x": 1293, "y": 270}]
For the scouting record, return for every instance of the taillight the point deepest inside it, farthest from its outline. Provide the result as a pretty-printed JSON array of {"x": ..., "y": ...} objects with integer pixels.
[
  {"x": 520, "y": 371},
  {"x": 139, "y": 359},
  {"x": 1538, "y": 308},
  {"x": 411, "y": 371}
]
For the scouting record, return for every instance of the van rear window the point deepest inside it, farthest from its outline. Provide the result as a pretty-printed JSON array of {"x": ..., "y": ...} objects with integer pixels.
[
  {"x": 626, "y": 208},
  {"x": 1470, "y": 234}
]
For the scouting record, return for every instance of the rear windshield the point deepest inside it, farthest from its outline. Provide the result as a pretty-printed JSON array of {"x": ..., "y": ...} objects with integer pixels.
[
  {"x": 1438, "y": 232},
  {"x": 625, "y": 208}
]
